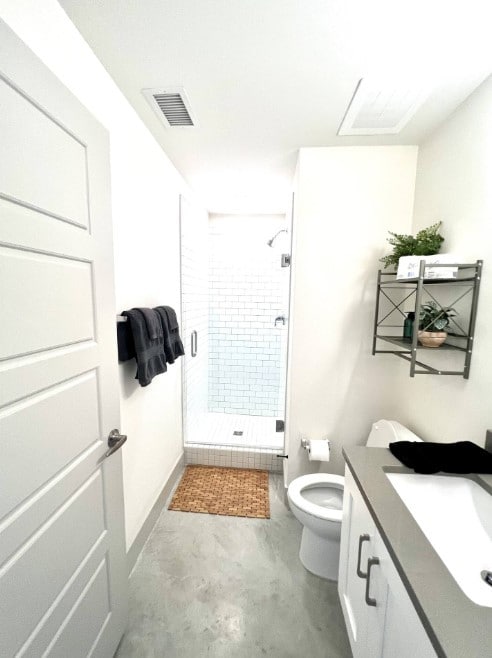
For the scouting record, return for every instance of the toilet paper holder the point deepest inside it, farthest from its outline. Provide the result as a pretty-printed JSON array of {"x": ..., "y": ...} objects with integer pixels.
[{"x": 305, "y": 442}]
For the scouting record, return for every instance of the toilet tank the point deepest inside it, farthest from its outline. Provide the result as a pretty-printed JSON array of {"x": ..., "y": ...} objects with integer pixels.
[{"x": 384, "y": 432}]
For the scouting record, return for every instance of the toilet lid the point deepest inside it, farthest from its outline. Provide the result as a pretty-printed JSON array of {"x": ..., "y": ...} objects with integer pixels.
[{"x": 330, "y": 510}]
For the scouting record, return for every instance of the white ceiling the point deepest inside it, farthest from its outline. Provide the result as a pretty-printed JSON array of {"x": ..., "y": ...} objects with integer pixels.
[{"x": 266, "y": 77}]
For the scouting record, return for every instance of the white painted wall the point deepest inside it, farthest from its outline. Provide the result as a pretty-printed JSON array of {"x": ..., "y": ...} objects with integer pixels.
[
  {"x": 346, "y": 199},
  {"x": 454, "y": 184},
  {"x": 145, "y": 193}
]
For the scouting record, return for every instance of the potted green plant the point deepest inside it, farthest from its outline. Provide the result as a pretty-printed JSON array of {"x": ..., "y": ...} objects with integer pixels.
[
  {"x": 427, "y": 242},
  {"x": 433, "y": 320}
]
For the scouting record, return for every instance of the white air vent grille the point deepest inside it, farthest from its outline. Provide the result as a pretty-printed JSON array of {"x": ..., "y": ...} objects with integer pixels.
[
  {"x": 171, "y": 106},
  {"x": 381, "y": 107}
]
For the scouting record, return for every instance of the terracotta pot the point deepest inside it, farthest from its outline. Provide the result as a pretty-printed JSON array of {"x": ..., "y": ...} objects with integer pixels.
[{"x": 432, "y": 338}]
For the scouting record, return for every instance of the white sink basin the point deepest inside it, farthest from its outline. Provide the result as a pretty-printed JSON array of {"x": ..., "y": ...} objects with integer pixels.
[{"x": 455, "y": 514}]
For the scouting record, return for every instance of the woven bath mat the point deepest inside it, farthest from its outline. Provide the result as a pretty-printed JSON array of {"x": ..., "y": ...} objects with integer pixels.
[{"x": 225, "y": 491}]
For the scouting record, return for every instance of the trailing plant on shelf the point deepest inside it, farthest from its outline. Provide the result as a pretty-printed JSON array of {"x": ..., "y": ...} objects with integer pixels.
[
  {"x": 433, "y": 320},
  {"x": 428, "y": 241}
]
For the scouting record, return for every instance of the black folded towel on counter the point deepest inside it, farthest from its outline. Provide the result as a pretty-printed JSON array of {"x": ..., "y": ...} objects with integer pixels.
[{"x": 427, "y": 457}]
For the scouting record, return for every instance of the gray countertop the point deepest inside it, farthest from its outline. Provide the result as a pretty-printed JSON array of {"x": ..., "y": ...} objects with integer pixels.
[{"x": 457, "y": 627}]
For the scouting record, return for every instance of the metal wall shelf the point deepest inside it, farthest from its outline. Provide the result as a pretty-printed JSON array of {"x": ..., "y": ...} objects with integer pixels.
[
  {"x": 416, "y": 292},
  {"x": 401, "y": 342}
]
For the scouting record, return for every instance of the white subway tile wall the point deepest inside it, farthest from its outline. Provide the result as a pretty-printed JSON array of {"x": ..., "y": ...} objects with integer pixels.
[
  {"x": 194, "y": 317},
  {"x": 248, "y": 289}
]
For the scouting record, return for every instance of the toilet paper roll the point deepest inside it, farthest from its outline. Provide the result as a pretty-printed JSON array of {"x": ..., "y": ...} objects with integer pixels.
[{"x": 319, "y": 451}]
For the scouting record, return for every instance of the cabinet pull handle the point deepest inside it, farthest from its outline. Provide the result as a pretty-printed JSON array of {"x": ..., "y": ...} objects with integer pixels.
[
  {"x": 370, "y": 563},
  {"x": 362, "y": 539}
]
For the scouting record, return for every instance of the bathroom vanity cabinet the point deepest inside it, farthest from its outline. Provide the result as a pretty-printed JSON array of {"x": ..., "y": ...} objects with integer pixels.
[
  {"x": 460, "y": 293},
  {"x": 380, "y": 617}
]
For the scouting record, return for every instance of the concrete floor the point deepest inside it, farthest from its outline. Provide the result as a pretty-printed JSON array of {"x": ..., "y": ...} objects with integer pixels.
[{"x": 230, "y": 587}]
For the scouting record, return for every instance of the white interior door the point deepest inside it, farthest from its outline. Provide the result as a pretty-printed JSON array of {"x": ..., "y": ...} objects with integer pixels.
[{"x": 62, "y": 555}]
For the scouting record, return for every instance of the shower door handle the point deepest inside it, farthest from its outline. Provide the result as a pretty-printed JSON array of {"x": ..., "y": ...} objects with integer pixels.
[{"x": 194, "y": 343}]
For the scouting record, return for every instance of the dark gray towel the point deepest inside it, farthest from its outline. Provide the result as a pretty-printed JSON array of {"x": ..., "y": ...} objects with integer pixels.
[
  {"x": 151, "y": 360},
  {"x": 171, "y": 317},
  {"x": 126, "y": 346},
  {"x": 153, "y": 322},
  {"x": 173, "y": 347}
]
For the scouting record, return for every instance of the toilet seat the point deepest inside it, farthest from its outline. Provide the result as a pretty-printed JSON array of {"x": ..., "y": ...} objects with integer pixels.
[{"x": 303, "y": 482}]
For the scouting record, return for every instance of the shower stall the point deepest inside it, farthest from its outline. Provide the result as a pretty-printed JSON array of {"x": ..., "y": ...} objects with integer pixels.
[{"x": 235, "y": 299}]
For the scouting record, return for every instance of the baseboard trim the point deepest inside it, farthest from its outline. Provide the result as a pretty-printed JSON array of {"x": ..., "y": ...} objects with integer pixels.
[{"x": 144, "y": 532}]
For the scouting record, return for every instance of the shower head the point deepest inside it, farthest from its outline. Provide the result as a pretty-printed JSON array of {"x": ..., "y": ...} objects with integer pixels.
[{"x": 272, "y": 240}]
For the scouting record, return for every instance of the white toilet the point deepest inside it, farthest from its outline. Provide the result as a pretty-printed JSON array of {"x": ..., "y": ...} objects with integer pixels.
[{"x": 316, "y": 500}]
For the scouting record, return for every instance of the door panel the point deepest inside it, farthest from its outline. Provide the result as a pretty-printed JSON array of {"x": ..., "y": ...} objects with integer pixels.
[
  {"x": 41, "y": 567},
  {"x": 39, "y": 289},
  {"x": 25, "y": 376},
  {"x": 59, "y": 186},
  {"x": 87, "y": 618},
  {"x": 62, "y": 555},
  {"x": 31, "y": 229},
  {"x": 42, "y": 452},
  {"x": 59, "y": 615},
  {"x": 18, "y": 527}
]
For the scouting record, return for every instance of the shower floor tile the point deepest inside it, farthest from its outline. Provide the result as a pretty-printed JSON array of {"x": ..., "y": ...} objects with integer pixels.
[
  {"x": 237, "y": 441},
  {"x": 256, "y": 431}
]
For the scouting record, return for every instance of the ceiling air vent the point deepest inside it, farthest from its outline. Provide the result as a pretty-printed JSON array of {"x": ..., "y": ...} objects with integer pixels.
[
  {"x": 381, "y": 108},
  {"x": 171, "y": 106}
]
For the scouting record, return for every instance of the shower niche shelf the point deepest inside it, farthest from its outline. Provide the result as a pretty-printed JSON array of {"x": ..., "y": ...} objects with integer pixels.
[{"x": 460, "y": 293}]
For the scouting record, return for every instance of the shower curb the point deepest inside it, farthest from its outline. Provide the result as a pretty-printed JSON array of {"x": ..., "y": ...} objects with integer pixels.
[{"x": 233, "y": 456}]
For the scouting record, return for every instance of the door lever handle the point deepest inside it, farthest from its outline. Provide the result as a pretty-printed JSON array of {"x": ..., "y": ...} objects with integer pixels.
[{"x": 115, "y": 441}]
